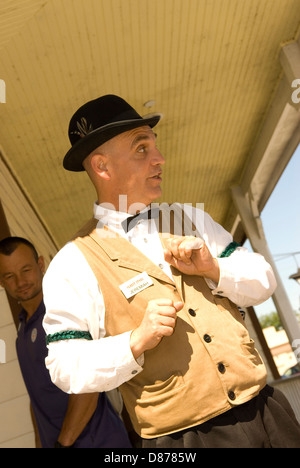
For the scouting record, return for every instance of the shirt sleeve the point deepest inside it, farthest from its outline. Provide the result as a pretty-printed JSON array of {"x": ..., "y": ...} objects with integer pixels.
[
  {"x": 74, "y": 303},
  {"x": 246, "y": 278}
]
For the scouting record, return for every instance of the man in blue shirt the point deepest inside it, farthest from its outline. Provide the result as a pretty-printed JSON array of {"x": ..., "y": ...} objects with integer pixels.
[{"x": 63, "y": 421}]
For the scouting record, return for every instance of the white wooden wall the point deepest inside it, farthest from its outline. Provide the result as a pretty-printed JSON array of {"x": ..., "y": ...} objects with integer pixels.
[{"x": 16, "y": 430}]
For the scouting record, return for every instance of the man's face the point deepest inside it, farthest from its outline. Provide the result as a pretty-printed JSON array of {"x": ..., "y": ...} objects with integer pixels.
[
  {"x": 20, "y": 274},
  {"x": 134, "y": 166}
]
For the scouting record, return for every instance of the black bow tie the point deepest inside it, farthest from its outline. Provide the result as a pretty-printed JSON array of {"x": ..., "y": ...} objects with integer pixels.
[{"x": 130, "y": 222}]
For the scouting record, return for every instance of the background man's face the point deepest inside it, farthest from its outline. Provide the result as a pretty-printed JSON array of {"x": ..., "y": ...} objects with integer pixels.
[{"x": 20, "y": 274}]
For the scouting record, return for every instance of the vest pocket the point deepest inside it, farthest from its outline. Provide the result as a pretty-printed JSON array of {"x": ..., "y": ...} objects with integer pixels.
[
  {"x": 161, "y": 390},
  {"x": 251, "y": 352}
]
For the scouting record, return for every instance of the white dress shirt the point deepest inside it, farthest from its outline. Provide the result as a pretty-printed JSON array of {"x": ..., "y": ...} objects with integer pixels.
[{"x": 74, "y": 301}]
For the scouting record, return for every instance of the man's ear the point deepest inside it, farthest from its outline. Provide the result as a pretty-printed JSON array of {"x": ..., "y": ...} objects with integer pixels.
[
  {"x": 99, "y": 165},
  {"x": 41, "y": 263}
]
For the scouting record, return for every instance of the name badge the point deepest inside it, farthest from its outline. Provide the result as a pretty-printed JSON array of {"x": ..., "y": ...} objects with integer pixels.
[{"x": 138, "y": 283}]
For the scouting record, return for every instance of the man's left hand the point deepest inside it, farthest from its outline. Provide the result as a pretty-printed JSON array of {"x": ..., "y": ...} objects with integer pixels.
[{"x": 191, "y": 256}]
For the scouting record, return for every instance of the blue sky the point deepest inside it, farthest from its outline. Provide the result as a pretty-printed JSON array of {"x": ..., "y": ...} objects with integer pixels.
[{"x": 281, "y": 222}]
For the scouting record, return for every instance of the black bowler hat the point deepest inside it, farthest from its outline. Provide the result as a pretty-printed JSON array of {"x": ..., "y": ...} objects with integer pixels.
[{"x": 98, "y": 121}]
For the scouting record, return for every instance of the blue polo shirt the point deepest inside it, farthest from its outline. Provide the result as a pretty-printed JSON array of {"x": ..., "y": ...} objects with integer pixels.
[{"x": 49, "y": 403}]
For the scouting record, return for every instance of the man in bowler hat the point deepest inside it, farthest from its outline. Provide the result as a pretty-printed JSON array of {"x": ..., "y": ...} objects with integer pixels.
[{"x": 154, "y": 310}]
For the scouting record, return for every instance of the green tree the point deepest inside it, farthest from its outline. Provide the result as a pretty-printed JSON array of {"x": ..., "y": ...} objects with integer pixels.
[{"x": 270, "y": 320}]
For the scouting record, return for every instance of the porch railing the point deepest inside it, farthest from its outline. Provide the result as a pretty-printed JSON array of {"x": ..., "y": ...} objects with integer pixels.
[{"x": 290, "y": 387}]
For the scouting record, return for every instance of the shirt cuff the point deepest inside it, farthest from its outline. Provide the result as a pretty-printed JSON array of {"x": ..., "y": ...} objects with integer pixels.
[
  {"x": 226, "y": 280},
  {"x": 134, "y": 366}
]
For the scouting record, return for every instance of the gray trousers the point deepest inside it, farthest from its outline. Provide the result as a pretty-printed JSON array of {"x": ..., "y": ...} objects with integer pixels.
[{"x": 266, "y": 421}]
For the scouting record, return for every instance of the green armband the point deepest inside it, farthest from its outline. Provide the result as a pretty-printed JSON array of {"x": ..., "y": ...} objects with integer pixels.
[
  {"x": 68, "y": 335},
  {"x": 229, "y": 249}
]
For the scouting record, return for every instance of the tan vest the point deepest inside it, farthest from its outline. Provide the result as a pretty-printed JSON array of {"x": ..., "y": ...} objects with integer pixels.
[{"x": 206, "y": 367}]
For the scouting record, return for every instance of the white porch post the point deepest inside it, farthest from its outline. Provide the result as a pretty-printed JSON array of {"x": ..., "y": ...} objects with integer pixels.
[{"x": 252, "y": 224}]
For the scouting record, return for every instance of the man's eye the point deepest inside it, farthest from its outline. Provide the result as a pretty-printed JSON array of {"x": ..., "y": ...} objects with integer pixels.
[{"x": 141, "y": 149}]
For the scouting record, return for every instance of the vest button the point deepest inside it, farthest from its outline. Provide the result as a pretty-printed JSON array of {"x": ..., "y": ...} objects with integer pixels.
[
  {"x": 192, "y": 312},
  {"x": 222, "y": 369},
  {"x": 231, "y": 395},
  {"x": 207, "y": 338},
  {"x": 134, "y": 372}
]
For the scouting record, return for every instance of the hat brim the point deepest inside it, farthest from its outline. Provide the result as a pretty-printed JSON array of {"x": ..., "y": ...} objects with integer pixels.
[{"x": 75, "y": 156}]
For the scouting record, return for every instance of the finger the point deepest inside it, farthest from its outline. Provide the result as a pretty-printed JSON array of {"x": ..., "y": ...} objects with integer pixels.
[
  {"x": 185, "y": 253},
  {"x": 168, "y": 256},
  {"x": 172, "y": 245},
  {"x": 194, "y": 243},
  {"x": 168, "y": 322},
  {"x": 172, "y": 260},
  {"x": 167, "y": 311},
  {"x": 165, "y": 331},
  {"x": 187, "y": 247},
  {"x": 182, "y": 248},
  {"x": 178, "y": 305},
  {"x": 172, "y": 311},
  {"x": 162, "y": 302},
  {"x": 161, "y": 307},
  {"x": 155, "y": 304}
]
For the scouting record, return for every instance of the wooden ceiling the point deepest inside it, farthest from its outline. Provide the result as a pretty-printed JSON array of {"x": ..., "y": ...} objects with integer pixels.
[{"x": 210, "y": 66}]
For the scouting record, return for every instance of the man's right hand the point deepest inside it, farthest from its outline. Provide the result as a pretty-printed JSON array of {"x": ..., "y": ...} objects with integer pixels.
[{"x": 159, "y": 321}]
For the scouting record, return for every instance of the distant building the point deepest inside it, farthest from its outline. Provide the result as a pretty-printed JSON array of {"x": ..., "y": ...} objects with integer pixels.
[{"x": 280, "y": 348}]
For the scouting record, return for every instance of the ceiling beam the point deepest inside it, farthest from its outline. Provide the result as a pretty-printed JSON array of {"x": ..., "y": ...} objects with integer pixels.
[
  {"x": 276, "y": 144},
  {"x": 290, "y": 61},
  {"x": 22, "y": 217}
]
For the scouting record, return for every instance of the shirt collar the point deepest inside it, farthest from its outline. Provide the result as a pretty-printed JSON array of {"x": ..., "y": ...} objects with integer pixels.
[
  {"x": 40, "y": 310},
  {"x": 111, "y": 217}
]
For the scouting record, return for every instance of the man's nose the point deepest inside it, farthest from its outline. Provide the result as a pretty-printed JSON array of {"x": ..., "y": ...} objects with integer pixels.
[
  {"x": 158, "y": 158},
  {"x": 20, "y": 281}
]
